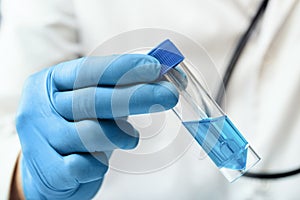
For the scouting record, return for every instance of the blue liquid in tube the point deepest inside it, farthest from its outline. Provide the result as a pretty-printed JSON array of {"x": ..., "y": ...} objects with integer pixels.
[{"x": 221, "y": 140}]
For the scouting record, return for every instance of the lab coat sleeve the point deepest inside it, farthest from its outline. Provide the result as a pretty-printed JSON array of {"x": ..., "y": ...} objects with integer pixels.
[
  {"x": 34, "y": 34},
  {"x": 9, "y": 150}
]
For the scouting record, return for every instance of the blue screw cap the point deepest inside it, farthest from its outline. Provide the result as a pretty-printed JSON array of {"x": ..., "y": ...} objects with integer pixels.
[{"x": 167, "y": 54}]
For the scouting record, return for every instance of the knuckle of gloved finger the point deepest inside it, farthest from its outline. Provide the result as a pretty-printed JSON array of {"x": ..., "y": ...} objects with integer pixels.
[
  {"x": 29, "y": 84},
  {"x": 22, "y": 121},
  {"x": 35, "y": 79},
  {"x": 166, "y": 95},
  {"x": 123, "y": 135},
  {"x": 26, "y": 151},
  {"x": 127, "y": 143},
  {"x": 23, "y": 125}
]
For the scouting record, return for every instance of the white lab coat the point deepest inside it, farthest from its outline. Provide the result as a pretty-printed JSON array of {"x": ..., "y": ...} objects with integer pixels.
[{"x": 262, "y": 99}]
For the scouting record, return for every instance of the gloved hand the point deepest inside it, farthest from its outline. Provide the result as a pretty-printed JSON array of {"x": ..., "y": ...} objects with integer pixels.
[{"x": 71, "y": 115}]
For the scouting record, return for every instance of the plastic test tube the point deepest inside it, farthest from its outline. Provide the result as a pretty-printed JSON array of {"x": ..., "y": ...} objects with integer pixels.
[{"x": 203, "y": 118}]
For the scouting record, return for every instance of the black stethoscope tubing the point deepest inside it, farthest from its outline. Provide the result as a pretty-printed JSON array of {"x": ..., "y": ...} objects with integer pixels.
[{"x": 229, "y": 71}]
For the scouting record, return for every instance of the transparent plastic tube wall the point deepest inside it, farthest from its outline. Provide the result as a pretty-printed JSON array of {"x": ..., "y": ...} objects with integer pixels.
[{"x": 202, "y": 116}]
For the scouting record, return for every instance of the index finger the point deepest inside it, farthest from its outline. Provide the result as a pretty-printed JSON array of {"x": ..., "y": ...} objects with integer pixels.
[{"x": 106, "y": 70}]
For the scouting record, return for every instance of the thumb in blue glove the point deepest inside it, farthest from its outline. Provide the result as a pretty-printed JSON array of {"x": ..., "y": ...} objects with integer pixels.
[{"x": 71, "y": 114}]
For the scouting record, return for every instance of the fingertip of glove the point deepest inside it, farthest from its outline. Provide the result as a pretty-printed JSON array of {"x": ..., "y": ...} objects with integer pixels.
[
  {"x": 166, "y": 95},
  {"x": 130, "y": 138}
]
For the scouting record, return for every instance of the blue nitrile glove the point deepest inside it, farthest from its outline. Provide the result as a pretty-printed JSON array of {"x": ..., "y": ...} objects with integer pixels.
[{"x": 78, "y": 107}]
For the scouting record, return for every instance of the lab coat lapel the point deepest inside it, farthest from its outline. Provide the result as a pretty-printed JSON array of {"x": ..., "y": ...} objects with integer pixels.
[{"x": 276, "y": 14}]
